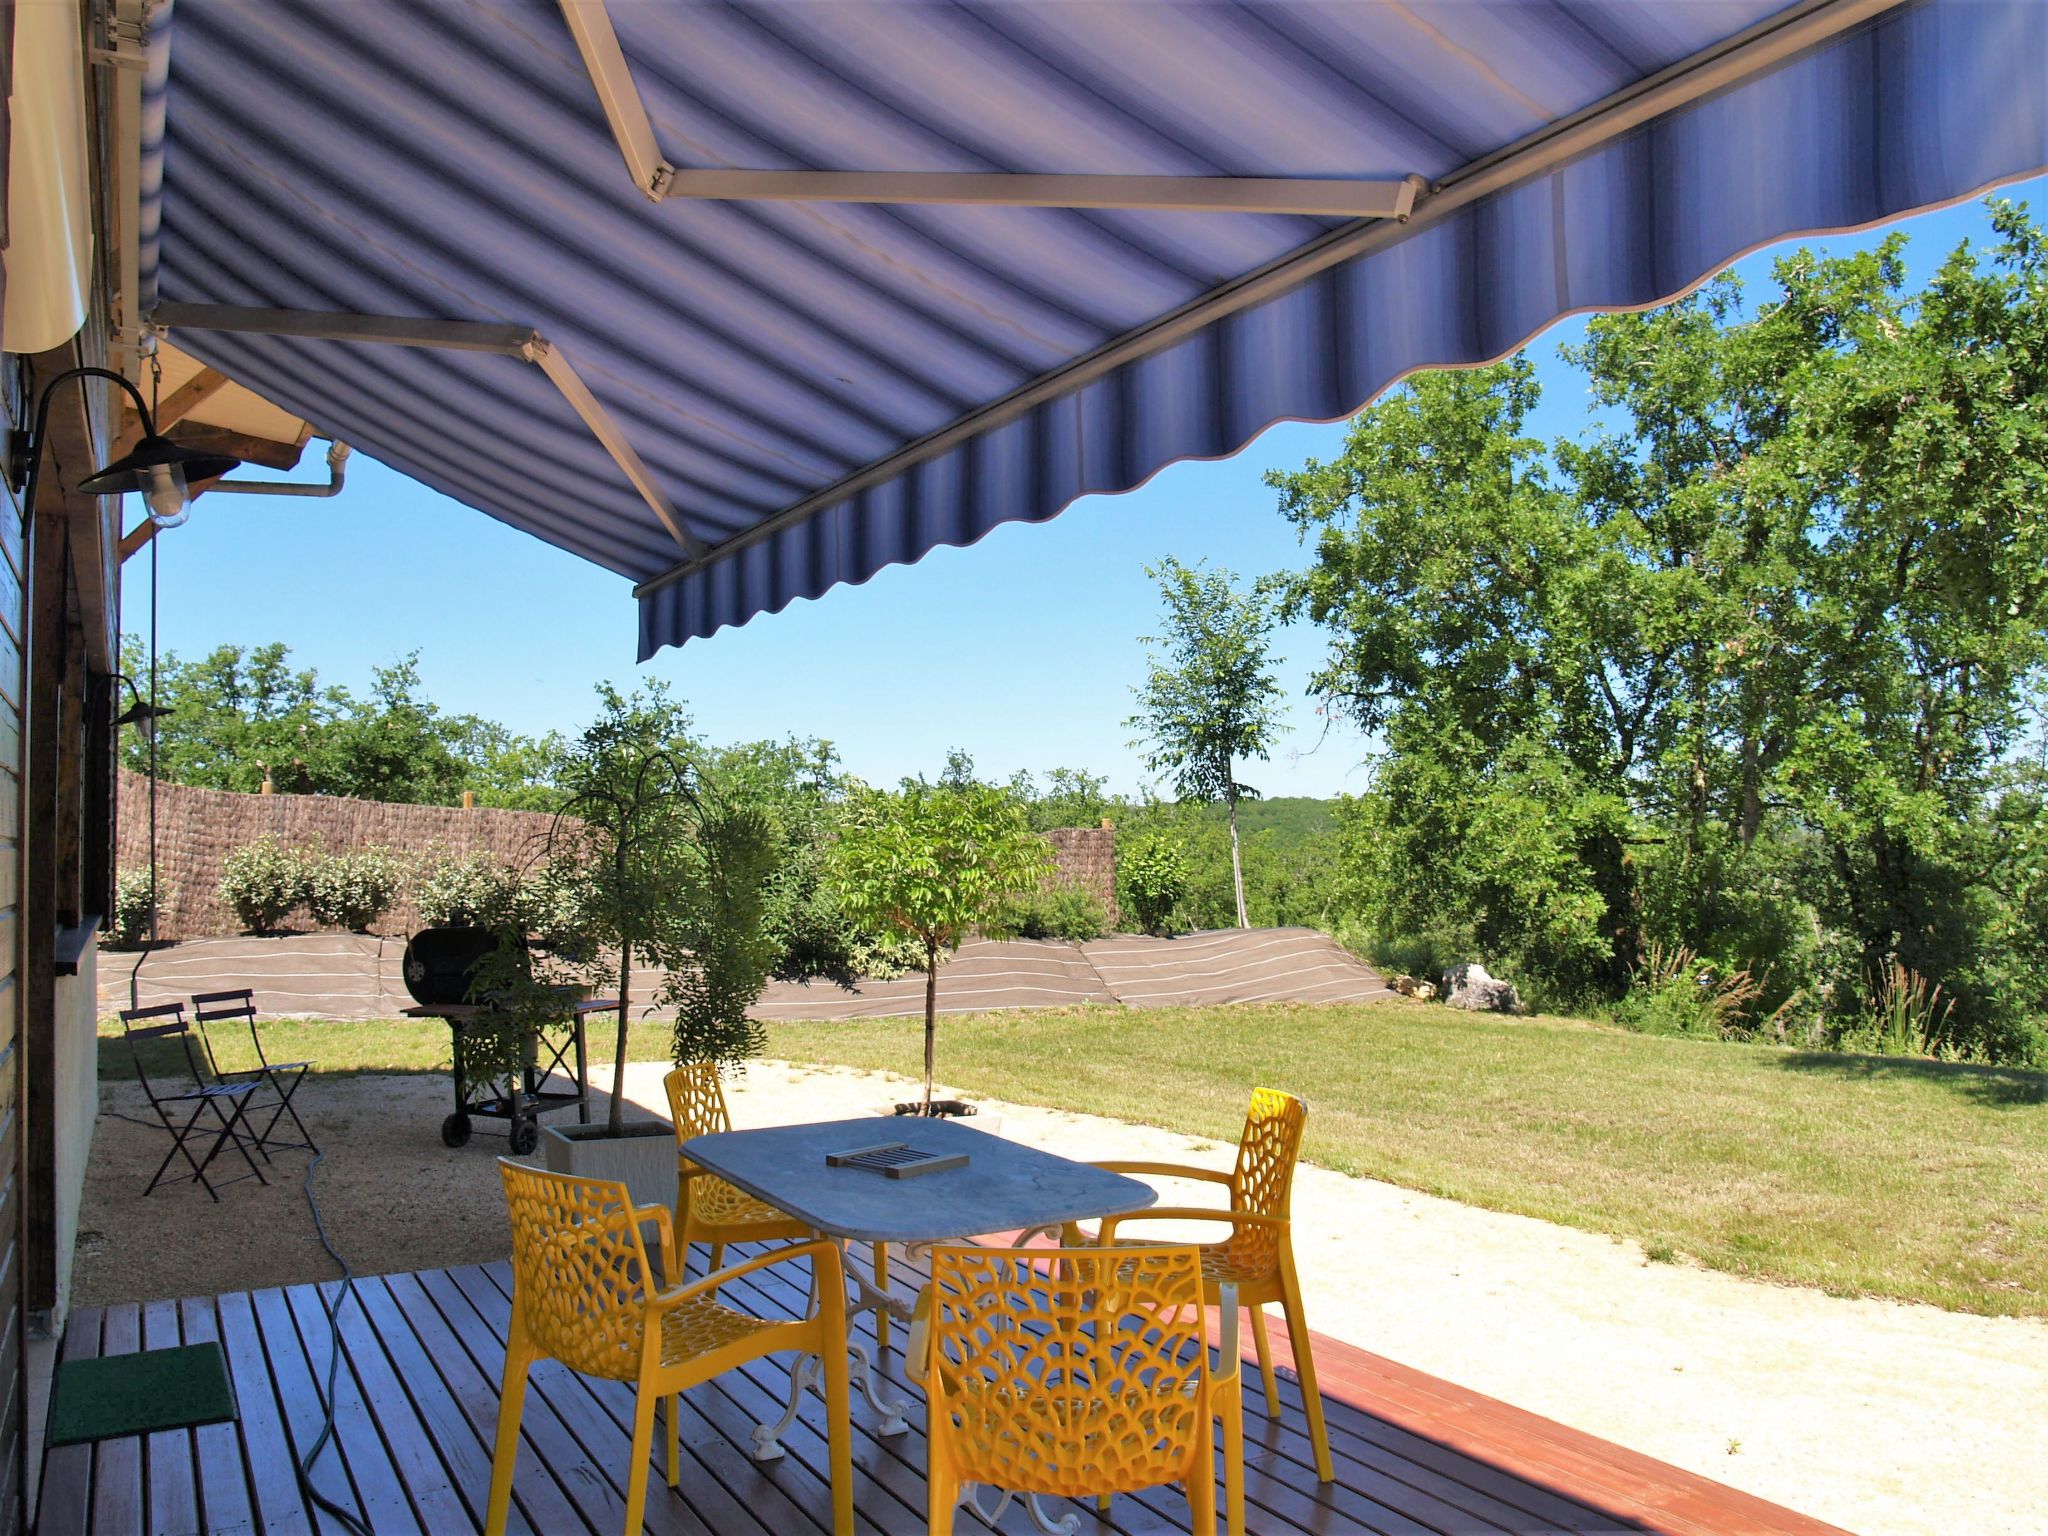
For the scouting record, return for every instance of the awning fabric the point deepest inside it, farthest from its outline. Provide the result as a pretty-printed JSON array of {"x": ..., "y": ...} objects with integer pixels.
[{"x": 450, "y": 159}]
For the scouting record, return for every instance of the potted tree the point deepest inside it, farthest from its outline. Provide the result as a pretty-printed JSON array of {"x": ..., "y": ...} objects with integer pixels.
[
  {"x": 670, "y": 873},
  {"x": 932, "y": 863}
]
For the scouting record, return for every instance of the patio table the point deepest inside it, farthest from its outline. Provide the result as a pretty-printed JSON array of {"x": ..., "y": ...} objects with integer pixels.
[{"x": 1003, "y": 1187}]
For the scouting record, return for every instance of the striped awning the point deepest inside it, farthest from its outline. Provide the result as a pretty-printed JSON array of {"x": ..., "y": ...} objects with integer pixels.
[{"x": 566, "y": 265}]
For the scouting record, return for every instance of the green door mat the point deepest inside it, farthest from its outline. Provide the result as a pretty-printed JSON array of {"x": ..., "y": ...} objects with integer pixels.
[{"x": 139, "y": 1394}]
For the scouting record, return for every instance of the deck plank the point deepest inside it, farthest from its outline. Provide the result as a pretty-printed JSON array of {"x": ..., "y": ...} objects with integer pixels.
[
  {"x": 167, "y": 1455},
  {"x": 280, "y": 1507},
  {"x": 452, "y": 1396},
  {"x": 65, "y": 1496},
  {"x": 219, "y": 1457},
  {"x": 117, "y": 1507},
  {"x": 417, "y": 1411},
  {"x": 302, "y": 1413}
]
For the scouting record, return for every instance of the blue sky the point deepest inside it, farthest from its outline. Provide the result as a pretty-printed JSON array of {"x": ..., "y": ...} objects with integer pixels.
[{"x": 1022, "y": 650}]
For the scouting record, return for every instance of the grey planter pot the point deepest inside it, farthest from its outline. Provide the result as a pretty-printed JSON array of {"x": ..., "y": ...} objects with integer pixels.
[{"x": 643, "y": 1158}]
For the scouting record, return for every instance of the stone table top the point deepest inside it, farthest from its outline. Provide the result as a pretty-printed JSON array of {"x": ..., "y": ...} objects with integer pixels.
[{"x": 1004, "y": 1186}]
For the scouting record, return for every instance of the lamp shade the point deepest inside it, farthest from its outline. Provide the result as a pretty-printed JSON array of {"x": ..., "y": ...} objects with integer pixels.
[{"x": 136, "y": 470}]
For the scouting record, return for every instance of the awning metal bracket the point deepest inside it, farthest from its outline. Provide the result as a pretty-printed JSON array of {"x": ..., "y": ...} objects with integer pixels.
[
  {"x": 590, "y": 24},
  {"x": 520, "y": 341}
]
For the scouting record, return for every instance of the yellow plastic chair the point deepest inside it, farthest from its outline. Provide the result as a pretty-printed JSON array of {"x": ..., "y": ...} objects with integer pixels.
[
  {"x": 1258, "y": 1256},
  {"x": 582, "y": 1294},
  {"x": 1075, "y": 1373},
  {"x": 709, "y": 1210}
]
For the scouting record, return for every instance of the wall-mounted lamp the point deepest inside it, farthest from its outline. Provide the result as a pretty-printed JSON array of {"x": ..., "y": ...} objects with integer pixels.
[{"x": 161, "y": 471}]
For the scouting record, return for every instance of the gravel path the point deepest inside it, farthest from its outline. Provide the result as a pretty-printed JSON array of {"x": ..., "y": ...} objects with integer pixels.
[{"x": 1889, "y": 1419}]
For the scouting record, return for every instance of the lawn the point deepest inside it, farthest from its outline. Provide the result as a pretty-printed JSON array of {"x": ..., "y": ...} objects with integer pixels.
[{"x": 1862, "y": 1175}]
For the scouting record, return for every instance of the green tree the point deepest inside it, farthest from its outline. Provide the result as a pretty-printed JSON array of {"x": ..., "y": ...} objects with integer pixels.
[
  {"x": 1209, "y": 699},
  {"x": 1070, "y": 797},
  {"x": 931, "y": 862},
  {"x": 1744, "y": 669},
  {"x": 243, "y": 714}
]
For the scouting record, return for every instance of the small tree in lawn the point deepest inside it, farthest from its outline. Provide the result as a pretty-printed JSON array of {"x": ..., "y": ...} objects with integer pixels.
[
  {"x": 1210, "y": 698},
  {"x": 932, "y": 862}
]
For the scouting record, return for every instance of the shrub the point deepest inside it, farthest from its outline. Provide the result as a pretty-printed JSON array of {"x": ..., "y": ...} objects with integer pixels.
[
  {"x": 1908, "y": 1016},
  {"x": 131, "y": 907},
  {"x": 263, "y": 881},
  {"x": 352, "y": 890},
  {"x": 1061, "y": 911},
  {"x": 1675, "y": 992},
  {"x": 1152, "y": 879},
  {"x": 476, "y": 891}
]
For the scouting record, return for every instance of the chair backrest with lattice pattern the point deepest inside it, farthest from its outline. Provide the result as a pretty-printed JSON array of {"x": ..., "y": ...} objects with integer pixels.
[
  {"x": 579, "y": 1269},
  {"x": 1264, "y": 1177},
  {"x": 1070, "y": 1372},
  {"x": 696, "y": 1100}
]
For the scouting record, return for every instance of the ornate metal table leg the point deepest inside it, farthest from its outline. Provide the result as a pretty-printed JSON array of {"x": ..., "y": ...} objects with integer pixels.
[
  {"x": 808, "y": 1371},
  {"x": 1066, "y": 1525},
  {"x": 869, "y": 1380}
]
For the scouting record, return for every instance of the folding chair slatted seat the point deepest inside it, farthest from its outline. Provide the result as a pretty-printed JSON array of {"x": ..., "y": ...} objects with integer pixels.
[
  {"x": 227, "y": 1102},
  {"x": 282, "y": 1078}
]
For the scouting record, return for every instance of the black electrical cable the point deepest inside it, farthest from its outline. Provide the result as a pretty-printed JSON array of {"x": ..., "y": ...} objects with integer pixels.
[{"x": 304, "y": 1466}]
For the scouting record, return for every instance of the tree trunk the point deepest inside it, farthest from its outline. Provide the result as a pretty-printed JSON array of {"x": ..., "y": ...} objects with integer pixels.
[
  {"x": 931, "y": 1020},
  {"x": 1752, "y": 793},
  {"x": 1236, "y": 863},
  {"x": 615, "y": 1121}
]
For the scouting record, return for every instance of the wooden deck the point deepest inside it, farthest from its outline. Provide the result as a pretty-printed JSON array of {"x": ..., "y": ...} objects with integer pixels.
[{"x": 1414, "y": 1455}]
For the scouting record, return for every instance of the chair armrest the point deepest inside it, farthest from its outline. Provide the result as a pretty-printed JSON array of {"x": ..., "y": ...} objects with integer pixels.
[
  {"x": 816, "y": 1248},
  {"x": 1107, "y": 1236},
  {"x": 917, "y": 1351},
  {"x": 1172, "y": 1171},
  {"x": 1229, "y": 1359},
  {"x": 665, "y": 1230}
]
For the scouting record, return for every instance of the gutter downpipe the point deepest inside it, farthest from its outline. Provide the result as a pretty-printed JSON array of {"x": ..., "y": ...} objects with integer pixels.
[{"x": 337, "y": 471}]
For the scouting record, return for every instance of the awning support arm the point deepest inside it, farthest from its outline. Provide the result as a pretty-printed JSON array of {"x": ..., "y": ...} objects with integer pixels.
[
  {"x": 590, "y": 24},
  {"x": 522, "y": 342},
  {"x": 1749, "y": 52}
]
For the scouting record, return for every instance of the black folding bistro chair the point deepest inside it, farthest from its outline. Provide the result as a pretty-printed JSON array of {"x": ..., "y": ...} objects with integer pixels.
[
  {"x": 282, "y": 1078},
  {"x": 225, "y": 1101}
]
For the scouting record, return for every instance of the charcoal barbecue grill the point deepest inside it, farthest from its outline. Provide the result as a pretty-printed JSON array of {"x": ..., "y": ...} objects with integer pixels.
[{"x": 439, "y": 966}]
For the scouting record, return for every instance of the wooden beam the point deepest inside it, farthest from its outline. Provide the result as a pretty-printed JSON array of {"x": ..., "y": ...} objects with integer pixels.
[
  {"x": 183, "y": 401},
  {"x": 267, "y": 451}
]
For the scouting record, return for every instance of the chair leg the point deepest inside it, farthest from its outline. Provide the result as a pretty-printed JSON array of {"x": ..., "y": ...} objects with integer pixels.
[
  {"x": 1305, "y": 1365},
  {"x": 942, "y": 1496},
  {"x": 1202, "y": 1499},
  {"x": 882, "y": 1317},
  {"x": 1233, "y": 1462},
  {"x": 717, "y": 1258},
  {"x": 672, "y": 1433},
  {"x": 511, "y": 1402},
  {"x": 839, "y": 1426},
  {"x": 643, "y": 1447},
  {"x": 178, "y": 1135},
  {"x": 1265, "y": 1344},
  {"x": 230, "y": 1119}
]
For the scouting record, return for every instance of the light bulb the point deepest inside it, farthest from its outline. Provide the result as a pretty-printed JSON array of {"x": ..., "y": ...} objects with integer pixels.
[{"x": 168, "y": 504}]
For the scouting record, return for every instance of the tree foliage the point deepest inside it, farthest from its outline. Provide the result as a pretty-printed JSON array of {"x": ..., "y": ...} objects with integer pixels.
[
  {"x": 1743, "y": 671},
  {"x": 1209, "y": 698},
  {"x": 242, "y": 712},
  {"x": 931, "y": 862}
]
